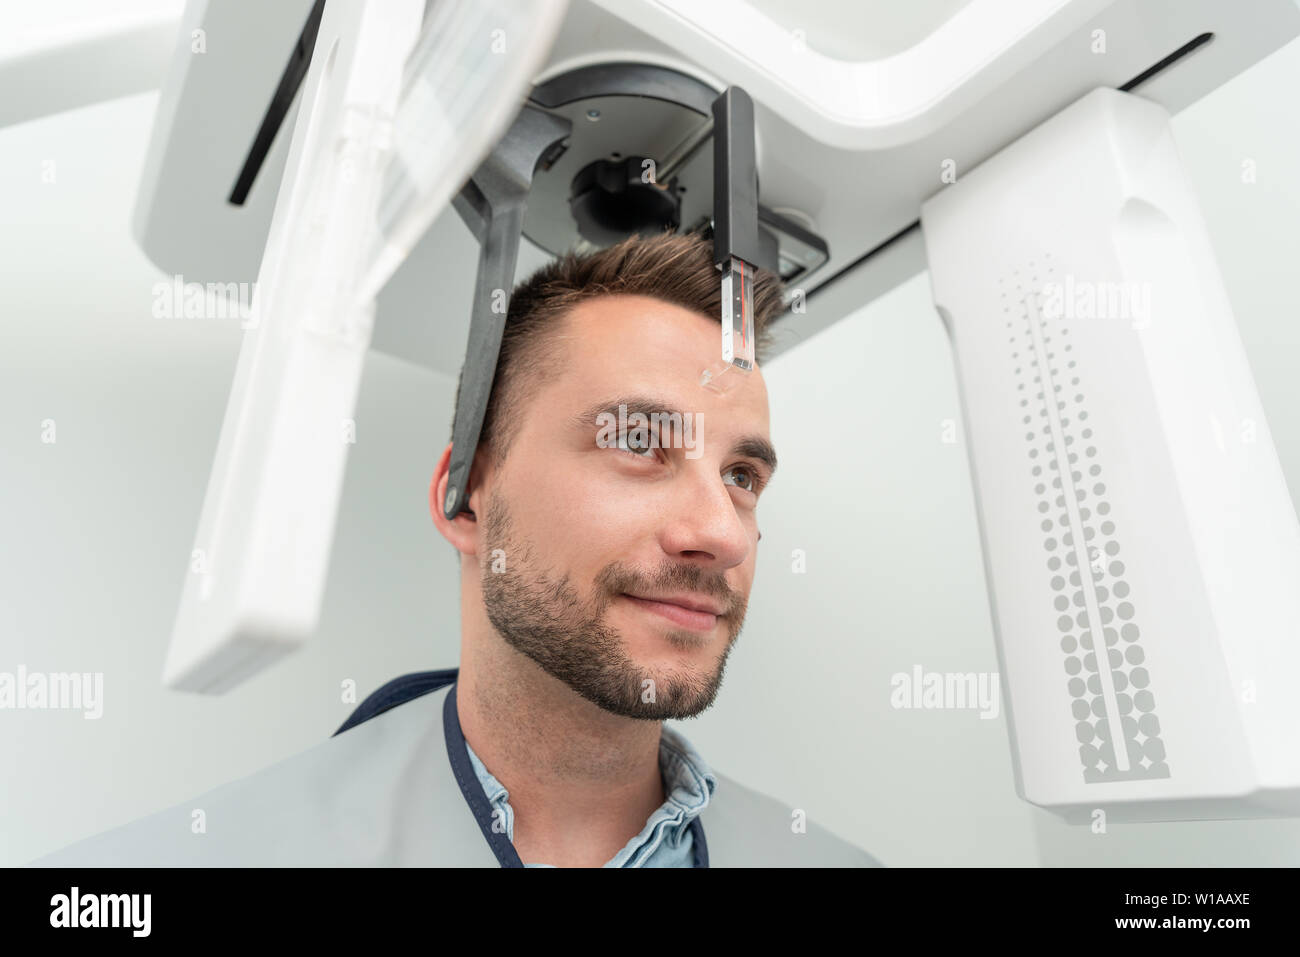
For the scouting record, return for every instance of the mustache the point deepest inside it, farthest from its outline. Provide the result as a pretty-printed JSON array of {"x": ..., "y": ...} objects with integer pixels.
[{"x": 618, "y": 578}]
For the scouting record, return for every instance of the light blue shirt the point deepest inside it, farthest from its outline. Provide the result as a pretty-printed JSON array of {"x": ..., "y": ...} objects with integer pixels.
[{"x": 666, "y": 840}]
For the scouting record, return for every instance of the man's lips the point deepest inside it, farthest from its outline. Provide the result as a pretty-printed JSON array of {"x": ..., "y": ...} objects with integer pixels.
[{"x": 689, "y": 611}]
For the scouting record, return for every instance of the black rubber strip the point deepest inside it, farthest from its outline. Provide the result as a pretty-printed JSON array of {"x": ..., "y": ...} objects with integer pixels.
[
  {"x": 294, "y": 73},
  {"x": 1168, "y": 61}
]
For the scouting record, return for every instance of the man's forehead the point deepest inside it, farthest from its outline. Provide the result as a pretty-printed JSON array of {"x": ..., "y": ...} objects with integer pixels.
[{"x": 637, "y": 344}]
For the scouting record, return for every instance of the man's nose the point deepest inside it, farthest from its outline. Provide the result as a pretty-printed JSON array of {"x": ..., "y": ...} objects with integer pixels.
[{"x": 704, "y": 525}]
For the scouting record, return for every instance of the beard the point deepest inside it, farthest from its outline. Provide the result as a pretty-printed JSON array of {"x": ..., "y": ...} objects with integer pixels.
[{"x": 541, "y": 615}]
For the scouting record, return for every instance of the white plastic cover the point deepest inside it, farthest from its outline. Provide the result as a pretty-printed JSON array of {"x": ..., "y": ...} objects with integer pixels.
[{"x": 400, "y": 117}]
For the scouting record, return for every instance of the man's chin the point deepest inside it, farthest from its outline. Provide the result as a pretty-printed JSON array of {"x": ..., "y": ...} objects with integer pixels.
[
  {"x": 677, "y": 671},
  {"x": 663, "y": 701},
  {"x": 664, "y": 688}
]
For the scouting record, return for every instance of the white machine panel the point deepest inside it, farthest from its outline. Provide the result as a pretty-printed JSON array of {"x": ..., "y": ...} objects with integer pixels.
[{"x": 1129, "y": 494}]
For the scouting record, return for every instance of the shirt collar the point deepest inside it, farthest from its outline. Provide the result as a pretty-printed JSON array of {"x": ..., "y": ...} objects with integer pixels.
[{"x": 689, "y": 783}]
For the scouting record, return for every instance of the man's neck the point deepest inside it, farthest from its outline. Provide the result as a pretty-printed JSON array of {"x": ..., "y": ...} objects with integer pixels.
[{"x": 582, "y": 781}]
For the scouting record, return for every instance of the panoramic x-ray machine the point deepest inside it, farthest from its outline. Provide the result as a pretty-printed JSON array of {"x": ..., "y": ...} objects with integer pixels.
[{"x": 1141, "y": 548}]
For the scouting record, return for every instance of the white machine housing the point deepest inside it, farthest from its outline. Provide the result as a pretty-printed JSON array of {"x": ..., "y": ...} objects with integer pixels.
[{"x": 1129, "y": 494}]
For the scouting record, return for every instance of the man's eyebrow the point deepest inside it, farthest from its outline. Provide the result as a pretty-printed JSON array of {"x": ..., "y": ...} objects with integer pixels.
[
  {"x": 751, "y": 446},
  {"x": 645, "y": 404},
  {"x": 757, "y": 447}
]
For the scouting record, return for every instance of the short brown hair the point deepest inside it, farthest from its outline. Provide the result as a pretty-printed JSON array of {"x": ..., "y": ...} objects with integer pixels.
[{"x": 677, "y": 269}]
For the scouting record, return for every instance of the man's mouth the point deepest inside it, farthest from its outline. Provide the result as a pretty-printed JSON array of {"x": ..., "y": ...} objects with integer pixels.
[{"x": 696, "y": 612}]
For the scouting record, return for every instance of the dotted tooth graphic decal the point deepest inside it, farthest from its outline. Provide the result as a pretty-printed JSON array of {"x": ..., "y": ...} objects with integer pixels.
[{"x": 1083, "y": 556}]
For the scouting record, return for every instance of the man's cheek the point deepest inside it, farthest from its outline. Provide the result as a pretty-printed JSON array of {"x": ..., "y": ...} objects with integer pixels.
[{"x": 604, "y": 497}]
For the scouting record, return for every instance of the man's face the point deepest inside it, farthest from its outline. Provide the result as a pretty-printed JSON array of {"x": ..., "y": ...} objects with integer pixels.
[{"x": 598, "y": 544}]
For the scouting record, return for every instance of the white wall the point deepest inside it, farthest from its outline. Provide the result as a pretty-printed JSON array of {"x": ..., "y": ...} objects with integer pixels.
[
  {"x": 98, "y": 526},
  {"x": 95, "y": 530}
]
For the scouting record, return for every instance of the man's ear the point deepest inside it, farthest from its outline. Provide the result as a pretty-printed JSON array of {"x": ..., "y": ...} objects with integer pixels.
[{"x": 464, "y": 530}]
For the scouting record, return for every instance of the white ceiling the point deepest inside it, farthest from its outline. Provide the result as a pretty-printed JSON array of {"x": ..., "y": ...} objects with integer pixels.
[{"x": 857, "y": 30}]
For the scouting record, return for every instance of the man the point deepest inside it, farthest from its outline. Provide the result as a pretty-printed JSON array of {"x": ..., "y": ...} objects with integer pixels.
[{"x": 607, "y": 555}]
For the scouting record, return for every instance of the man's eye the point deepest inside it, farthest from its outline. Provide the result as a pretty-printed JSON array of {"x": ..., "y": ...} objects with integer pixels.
[
  {"x": 750, "y": 481},
  {"x": 637, "y": 445}
]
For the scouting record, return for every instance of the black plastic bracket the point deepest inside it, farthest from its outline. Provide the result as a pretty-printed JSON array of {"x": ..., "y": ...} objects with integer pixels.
[
  {"x": 492, "y": 205},
  {"x": 735, "y": 180}
]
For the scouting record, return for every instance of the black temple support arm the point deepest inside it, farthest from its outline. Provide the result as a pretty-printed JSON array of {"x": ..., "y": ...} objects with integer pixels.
[{"x": 492, "y": 204}]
